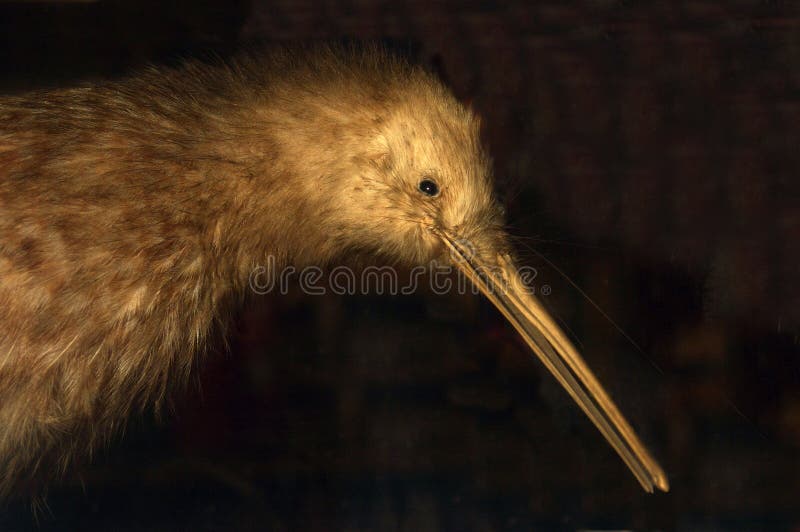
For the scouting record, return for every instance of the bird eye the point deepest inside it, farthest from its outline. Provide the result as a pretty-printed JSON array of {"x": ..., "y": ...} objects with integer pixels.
[{"x": 426, "y": 186}]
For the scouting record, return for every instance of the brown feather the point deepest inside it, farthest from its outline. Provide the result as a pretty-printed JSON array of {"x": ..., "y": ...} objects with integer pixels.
[{"x": 133, "y": 211}]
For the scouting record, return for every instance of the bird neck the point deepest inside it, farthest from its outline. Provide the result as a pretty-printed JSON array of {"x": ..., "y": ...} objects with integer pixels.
[{"x": 277, "y": 188}]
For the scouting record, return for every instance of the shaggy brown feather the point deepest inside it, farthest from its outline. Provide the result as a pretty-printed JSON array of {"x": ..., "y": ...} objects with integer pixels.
[{"x": 132, "y": 213}]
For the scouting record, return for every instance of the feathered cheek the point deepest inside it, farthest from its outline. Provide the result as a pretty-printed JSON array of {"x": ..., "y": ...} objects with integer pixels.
[{"x": 429, "y": 245}]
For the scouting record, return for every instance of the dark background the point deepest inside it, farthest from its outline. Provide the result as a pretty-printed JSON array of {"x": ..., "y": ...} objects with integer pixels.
[{"x": 649, "y": 150}]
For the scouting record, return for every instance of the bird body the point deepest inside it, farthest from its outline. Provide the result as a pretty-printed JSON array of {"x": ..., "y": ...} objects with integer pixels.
[{"x": 133, "y": 211}]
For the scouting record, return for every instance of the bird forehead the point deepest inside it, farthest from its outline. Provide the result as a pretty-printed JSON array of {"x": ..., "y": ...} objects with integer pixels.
[
  {"x": 437, "y": 123},
  {"x": 432, "y": 144}
]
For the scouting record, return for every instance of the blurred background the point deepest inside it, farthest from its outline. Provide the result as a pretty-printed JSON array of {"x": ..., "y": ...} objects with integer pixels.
[{"x": 648, "y": 150}]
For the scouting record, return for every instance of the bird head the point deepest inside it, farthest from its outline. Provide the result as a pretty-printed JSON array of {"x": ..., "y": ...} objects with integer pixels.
[{"x": 426, "y": 192}]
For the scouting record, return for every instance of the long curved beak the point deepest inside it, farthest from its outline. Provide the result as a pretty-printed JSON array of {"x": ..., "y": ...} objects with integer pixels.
[{"x": 503, "y": 286}]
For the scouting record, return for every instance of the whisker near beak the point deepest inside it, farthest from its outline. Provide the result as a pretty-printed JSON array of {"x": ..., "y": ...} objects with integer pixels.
[{"x": 501, "y": 283}]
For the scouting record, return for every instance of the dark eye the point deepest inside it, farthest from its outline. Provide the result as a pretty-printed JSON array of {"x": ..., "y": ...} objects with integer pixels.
[{"x": 426, "y": 186}]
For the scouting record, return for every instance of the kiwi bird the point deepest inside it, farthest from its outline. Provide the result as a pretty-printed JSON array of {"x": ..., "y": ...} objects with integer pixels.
[{"x": 132, "y": 212}]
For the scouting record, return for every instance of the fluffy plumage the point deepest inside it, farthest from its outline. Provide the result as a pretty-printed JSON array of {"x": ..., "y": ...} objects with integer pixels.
[{"x": 133, "y": 211}]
